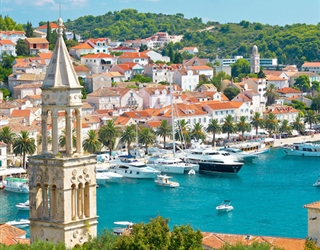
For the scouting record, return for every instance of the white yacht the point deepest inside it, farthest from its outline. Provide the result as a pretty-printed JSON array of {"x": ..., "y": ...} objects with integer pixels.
[
  {"x": 239, "y": 154},
  {"x": 130, "y": 167},
  {"x": 126, "y": 227},
  {"x": 171, "y": 165},
  {"x": 23, "y": 205},
  {"x": 19, "y": 223},
  {"x": 18, "y": 185},
  {"x": 211, "y": 160},
  {"x": 104, "y": 176},
  {"x": 307, "y": 149},
  {"x": 163, "y": 181}
]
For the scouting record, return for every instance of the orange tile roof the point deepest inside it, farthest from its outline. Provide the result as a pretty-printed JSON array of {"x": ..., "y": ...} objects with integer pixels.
[
  {"x": 36, "y": 40},
  {"x": 82, "y": 46},
  {"x": 6, "y": 42},
  {"x": 20, "y": 113},
  {"x": 315, "y": 205},
  {"x": 281, "y": 110},
  {"x": 311, "y": 64},
  {"x": 221, "y": 105},
  {"x": 288, "y": 90},
  {"x": 275, "y": 78},
  {"x": 52, "y": 26},
  {"x": 12, "y": 235},
  {"x": 136, "y": 114},
  {"x": 133, "y": 55},
  {"x": 99, "y": 55},
  {"x": 201, "y": 67},
  {"x": 182, "y": 110},
  {"x": 81, "y": 68},
  {"x": 217, "y": 240},
  {"x": 122, "y": 120},
  {"x": 46, "y": 55},
  {"x": 154, "y": 124}
]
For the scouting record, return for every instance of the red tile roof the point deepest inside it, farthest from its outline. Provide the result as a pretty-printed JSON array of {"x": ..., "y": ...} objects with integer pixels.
[
  {"x": 82, "y": 46},
  {"x": 99, "y": 55},
  {"x": 288, "y": 90},
  {"x": 12, "y": 235},
  {"x": 20, "y": 113},
  {"x": 133, "y": 55}
]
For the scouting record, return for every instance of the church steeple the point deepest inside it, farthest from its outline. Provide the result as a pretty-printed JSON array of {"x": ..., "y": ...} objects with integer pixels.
[
  {"x": 62, "y": 184},
  {"x": 61, "y": 91}
]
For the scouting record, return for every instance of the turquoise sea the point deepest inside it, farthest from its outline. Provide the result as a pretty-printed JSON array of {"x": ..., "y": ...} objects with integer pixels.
[{"x": 268, "y": 197}]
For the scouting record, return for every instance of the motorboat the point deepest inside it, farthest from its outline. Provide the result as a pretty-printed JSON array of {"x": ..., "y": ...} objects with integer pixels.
[
  {"x": 126, "y": 227},
  {"x": 23, "y": 205},
  {"x": 225, "y": 206},
  {"x": 317, "y": 183},
  {"x": 306, "y": 149},
  {"x": 253, "y": 147},
  {"x": 239, "y": 154},
  {"x": 19, "y": 223},
  {"x": 130, "y": 167},
  {"x": 171, "y": 165},
  {"x": 163, "y": 180},
  {"x": 18, "y": 185},
  {"x": 191, "y": 172},
  {"x": 104, "y": 176},
  {"x": 211, "y": 160}
]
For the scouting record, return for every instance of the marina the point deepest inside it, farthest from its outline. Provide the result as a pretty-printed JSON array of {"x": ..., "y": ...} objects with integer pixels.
[{"x": 256, "y": 192}]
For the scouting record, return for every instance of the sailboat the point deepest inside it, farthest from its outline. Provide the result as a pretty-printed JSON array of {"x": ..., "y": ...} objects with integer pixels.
[{"x": 171, "y": 164}]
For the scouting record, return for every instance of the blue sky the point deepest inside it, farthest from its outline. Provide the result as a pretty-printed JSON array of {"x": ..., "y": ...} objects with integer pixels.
[{"x": 280, "y": 12}]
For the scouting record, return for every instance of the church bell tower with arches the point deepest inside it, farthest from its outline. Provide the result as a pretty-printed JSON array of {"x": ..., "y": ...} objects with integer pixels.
[{"x": 62, "y": 183}]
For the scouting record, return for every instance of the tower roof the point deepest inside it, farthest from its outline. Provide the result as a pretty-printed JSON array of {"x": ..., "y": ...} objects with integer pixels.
[{"x": 60, "y": 71}]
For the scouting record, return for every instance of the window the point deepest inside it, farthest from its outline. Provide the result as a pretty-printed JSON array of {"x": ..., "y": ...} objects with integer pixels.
[
  {"x": 199, "y": 120},
  {"x": 204, "y": 119},
  {"x": 194, "y": 120}
]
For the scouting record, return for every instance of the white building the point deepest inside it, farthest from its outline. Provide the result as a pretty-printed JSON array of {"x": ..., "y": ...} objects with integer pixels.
[{"x": 186, "y": 79}]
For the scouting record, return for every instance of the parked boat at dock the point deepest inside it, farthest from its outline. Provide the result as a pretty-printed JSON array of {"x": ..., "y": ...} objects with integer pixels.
[
  {"x": 130, "y": 167},
  {"x": 104, "y": 176},
  {"x": 171, "y": 165},
  {"x": 19, "y": 223},
  {"x": 23, "y": 205},
  {"x": 17, "y": 185},
  {"x": 307, "y": 149},
  {"x": 239, "y": 154}
]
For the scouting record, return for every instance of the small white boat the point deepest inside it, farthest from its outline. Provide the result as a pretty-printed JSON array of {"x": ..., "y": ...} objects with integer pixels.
[
  {"x": 225, "y": 206},
  {"x": 126, "y": 227},
  {"x": 191, "y": 172},
  {"x": 163, "y": 180},
  {"x": 104, "y": 175},
  {"x": 23, "y": 205},
  {"x": 18, "y": 185},
  {"x": 317, "y": 183},
  {"x": 19, "y": 223}
]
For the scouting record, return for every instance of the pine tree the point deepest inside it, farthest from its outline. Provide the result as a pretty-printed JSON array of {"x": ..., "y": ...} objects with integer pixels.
[
  {"x": 48, "y": 32},
  {"x": 29, "y": 30}
]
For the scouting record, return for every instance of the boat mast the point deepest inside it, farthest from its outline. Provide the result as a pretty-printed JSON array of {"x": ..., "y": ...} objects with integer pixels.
[{"x": 172, "y": 121}]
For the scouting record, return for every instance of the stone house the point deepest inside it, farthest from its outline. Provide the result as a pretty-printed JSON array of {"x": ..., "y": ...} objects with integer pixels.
[
  {"x": 282, "y": 112},
  {"x": 81, "y": 49},
  {"x": 128, "y": 70},
  {"x": 13, "y": 35},
  {"x": 23, "y": 90},
  {"x": 98, "y": 63},
  {"x": 17, "y": 79},
  {"x": 186, "y": 79},
  {"x": 36, "y": 45},
  {"x": 134, "y": 57},
  {"x": 7, "y": 47}
]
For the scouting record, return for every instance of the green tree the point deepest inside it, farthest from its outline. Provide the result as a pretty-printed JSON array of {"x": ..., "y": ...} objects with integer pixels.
[
  {"x": 5, "y": 92},
  {"x": 240, "y": 67},
  {"x": 214, "y": 127},
  {"x": 182, "y": 128},
  {"x": 298, "y": 124},
  {"x": 163, "y": 131},
  {"x": 146, "y": 137},
  {"x": 141, "y": 79},
  {"x": 257, "y": 121},
  {"x": 243, "y": 126},
  {"x": 184, "y": 237},
  {"x": 216, "y": 80},
  {"x": 23, "y": 145},
  {"x": 197, "y": 132},
  {"x": 302, "y": 82},
  {"x": 231, "y": 92},
  {"x": 128, "y": 136},
  {"x": 229, "y": 126},
  {"x": 22, "y": 48},
  {"x": 143, "y": 47},
  {"x": 63, "y": 138},
  {"x": 310, "y": 117},
  {"x": 285, "y": 127},
  {"x": 261, "y": 74},
  {"x": 177, "y": 57},
  {"x": 29, "y": 30},
  {"x": 7, "y": 137},
  {"x": 49, "y": 32},
  {"x": 108, "y": 134},
  {"x": 92, "y": 144},
  {"x": 271, "y": 94},
  {"x": 83, "y": 90},
  {"x": 271, "y": 123}
]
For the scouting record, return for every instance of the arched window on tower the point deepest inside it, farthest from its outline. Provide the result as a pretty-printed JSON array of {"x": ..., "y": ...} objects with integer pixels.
[
  {"x": 46, "y": 201},
  {"x": 80, "y": 201},
  {"x": 73, "y": 202},
  {"x": 53, "y": 202},
  {"x": 86, "y": 200},
  {"x": 39, "y": 201}
]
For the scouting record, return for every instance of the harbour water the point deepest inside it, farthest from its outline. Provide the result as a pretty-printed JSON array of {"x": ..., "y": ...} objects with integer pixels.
[{"x": 268, "y": 197}]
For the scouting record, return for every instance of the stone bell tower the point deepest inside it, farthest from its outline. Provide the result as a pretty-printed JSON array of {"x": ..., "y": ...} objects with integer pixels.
[
  {"x": 62, "y": 184},
  {"x": 254, "y": 60}
]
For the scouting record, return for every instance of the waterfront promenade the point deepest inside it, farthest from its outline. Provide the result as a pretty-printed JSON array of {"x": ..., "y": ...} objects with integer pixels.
[{"x": 291, "y": 140}]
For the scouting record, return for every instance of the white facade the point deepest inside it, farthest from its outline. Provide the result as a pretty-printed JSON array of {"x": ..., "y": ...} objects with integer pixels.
[{"x": 186, "y": 79}]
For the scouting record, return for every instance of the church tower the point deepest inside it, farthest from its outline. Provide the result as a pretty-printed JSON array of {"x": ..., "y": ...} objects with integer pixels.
[
  {"x": 254, "y": 60},
  {"x": 62, "y": 184}
]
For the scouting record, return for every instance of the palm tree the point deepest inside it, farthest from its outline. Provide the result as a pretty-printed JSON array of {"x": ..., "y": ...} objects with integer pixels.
[
  {"x": 128, "y": 136},
  {"x": 243, "y": 126},
  {"x": 182, "y": 131},
  {"x": 214, "y": 127},
  {"x": 229, "y": 126},
  {"x": 310, "y": 117},
  {"x": 62, "y": 138},
  {"x": 24, "y": 145},
  {"x": 163, "y": 131},
  {"x": 92, "y": 144},
  {"x": 108, "y": 135},
  {"x": 146, "y": 137},
  {"x": 271, "y": 94},
  {"x": 298, "y": 124},
  {"x": 271, "y": 123},
  {"x": 285, "y": 127},
  {"x": 8, "y": 137},
  {"x": 257, "y": 121},
  {"x": 197, "y": 132}
]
